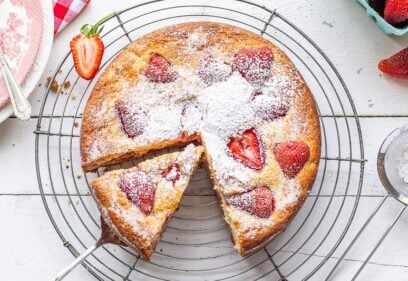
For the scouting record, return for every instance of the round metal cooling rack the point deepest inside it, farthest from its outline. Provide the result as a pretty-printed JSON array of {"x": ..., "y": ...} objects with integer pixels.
[{"x": 196, "y": 244}]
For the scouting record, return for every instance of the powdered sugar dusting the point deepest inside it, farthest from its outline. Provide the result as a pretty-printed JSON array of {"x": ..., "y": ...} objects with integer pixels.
[
  {"x": 269, "y": 107},
  {"x": 188, "y": 158},
  {"x": 212, "y": 70},
  {"x": 286, "y": 193},
  {"x": 192, "y": 117},
  {"x": 170, "y": 128},
  {"x": 197, "y": 40},
  {"x": 97, "y": 148},
  {"x": 231, "y": 174},
  {"x": 280, "y": 85},
  {"x": 227, "y": 105},
  {"x": 254, "y": 64}
]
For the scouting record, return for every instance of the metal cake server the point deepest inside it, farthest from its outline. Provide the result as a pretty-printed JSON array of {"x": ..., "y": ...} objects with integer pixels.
[
  {"x": 21, "y": 106},
  {"x": 107, "y": 237}
]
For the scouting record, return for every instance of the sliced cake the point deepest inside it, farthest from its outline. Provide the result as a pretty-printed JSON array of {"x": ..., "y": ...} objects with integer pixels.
[
  {"x": 137, "y": 203},
  {"x": 231, "y": 90}
]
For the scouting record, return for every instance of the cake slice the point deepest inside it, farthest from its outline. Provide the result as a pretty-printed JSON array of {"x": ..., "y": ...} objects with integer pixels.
[{"x": 138, "y": 202}]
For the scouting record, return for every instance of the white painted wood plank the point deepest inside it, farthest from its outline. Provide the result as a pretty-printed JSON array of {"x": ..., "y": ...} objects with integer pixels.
[
  {"x": 29, "y": 244},
  {"x": 17, "y": 167}
]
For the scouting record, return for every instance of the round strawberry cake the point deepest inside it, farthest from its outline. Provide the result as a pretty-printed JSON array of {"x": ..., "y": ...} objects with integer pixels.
[{"x": 230, "y": 90}]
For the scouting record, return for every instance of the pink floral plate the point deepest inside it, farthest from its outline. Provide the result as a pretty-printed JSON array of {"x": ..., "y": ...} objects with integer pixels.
[{"x": 21, "y": 25}]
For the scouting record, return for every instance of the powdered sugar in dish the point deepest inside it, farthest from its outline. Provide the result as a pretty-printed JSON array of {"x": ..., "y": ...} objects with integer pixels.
[{"x": 403, "y": 165}]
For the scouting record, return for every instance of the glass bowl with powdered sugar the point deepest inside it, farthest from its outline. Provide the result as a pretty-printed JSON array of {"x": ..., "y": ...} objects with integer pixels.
[{"x": 392, "y": 164}]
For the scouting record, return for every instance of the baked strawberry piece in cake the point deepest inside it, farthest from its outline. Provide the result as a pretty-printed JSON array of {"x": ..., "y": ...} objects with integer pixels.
[{"x": 138, "y": 202}]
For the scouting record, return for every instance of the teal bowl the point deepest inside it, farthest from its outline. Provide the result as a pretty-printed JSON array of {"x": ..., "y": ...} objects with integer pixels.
[{"x": 385, "y": 26}]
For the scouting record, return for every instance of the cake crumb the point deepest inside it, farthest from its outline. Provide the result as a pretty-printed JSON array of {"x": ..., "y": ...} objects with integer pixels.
[
  {"x": 67, "y": 84},
  {"x": 76, "y": 124},
  {"x": 54, "y": 84},
  {"x": 329, "y": 24},
  {"x": 73, "y": 96}
]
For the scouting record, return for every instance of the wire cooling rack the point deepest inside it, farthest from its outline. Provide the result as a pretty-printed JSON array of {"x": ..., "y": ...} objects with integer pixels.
[{"x": 196, "y": 244}]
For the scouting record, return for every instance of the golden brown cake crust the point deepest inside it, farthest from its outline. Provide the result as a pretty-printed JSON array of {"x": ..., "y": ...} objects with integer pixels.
[{"x": 123, "y": 73}]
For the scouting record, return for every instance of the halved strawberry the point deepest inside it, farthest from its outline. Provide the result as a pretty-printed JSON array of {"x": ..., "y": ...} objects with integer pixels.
[
  {"x": 212, "y": 70},
  {"x": 132, "y": 118},
  {"x": 172, "y": 172},
  {"x": 246, "y": 149},
  {"x": 396, "y": 65},
  {"x": 87, "y": 50},
  {"x": 159, "y": 69},
  {"x": 396, "y": 11},
  {"x": 258, "y": 202},
  {"x": 292, "y": 156},
  {"x": 139, "y": 189},
  {"x": 254, "y": 64}
]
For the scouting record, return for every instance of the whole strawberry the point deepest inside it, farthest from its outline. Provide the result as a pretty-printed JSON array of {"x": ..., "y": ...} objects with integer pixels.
[
  {"x": 87, "y": 50},
  {"x": 396, "y": 11},
  {"x": 396, "y": 65}
]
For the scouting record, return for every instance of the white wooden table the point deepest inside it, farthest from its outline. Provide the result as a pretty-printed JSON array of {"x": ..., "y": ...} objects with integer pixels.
[{"x": 31, "y": 249}]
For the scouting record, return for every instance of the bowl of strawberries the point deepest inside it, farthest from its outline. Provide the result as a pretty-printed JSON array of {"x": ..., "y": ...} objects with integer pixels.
[{"x": 390, "y": 15}]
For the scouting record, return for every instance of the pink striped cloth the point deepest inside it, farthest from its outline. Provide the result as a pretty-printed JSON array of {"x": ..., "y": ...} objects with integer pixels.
[{"x": 65, "y": 11}]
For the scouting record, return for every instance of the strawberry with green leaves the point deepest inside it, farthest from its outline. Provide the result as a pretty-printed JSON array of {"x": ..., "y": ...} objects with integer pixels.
[{"x": 87, "y": 50}]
